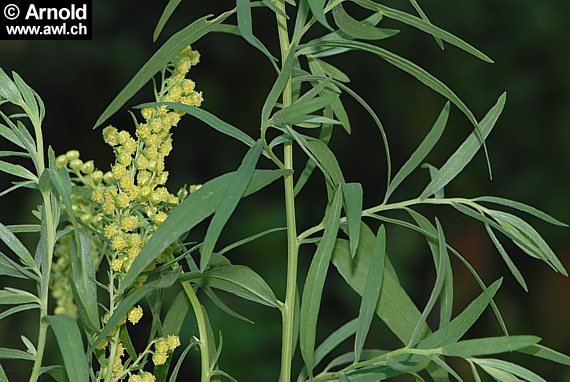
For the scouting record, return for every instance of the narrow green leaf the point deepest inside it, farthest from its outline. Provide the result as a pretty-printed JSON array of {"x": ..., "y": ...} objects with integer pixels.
[
  {"x": 125, "y": 339},
  {"x": 8, "y": 89},
  {"x": 71, "y": 347},
  {"x": 394, "y": 307},
  {"x": 57, "y": 372},
  {"x": 193, "y": 210},
  {"x": 521, "y": 207},
  {"x": 371, "y": 292},
  {"x": 421, "y": 152},
  {"x": 322, "y": 68},
  {"x": 164, "y": 17},
  {"x": 243, "y": 282},
  {"x": 249, "y": 239},
  {"x": 6, "y": 353},
  {"x": 278, "y": 86},
  {"x": 17, "y": 170},
  {"x": 164, "y": 281},
  {"x": 9, "y": 267},
  {"x": 244, "y": 23},
  {"x": 352, "y": 193},
  {"x": 500, "y": 375},
  {"x": 424, "y": 26},
  {"x": 446, "y": 297},
  {"x": 317, "y": 8},
  {"x": 424, "y": 17},
  {"x": 302, "y": 107},
  {"x": 314, "y": 284},
  {"x": 160, "y": 59},
  {"x": 208, "y": 118},
  {"x": 508, "y": 220},
  {"x": 474, "y": 371},
  {"x": 544, "y": 352},
  {"x": 11, "y": 136},
  {"x": 176, "y": 314},
  {"x": 463, "y": 155},
  {"x": 433, "y": 171},
  {"x": 11, "y": 296},
  {"x": 16, "y": 246},
  {"x": 509, "y": 367},
  {"x": 463, "y": 322},
  {"x": 442, "y": 266},
  {"x": 3, "y": 376},
  {"x": 355, "y": 28},
  {"x": 229, "y": 202},
  {"x": 486, "y": 346},
  {"x": 176, "y": 370},
  {"x": 512, "y": 267},
  {"x": 17, "y": 309},
  {"x": 224, "y": 307}
]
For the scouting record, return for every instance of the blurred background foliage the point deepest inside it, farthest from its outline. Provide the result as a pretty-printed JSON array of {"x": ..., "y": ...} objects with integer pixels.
[{"x": 529, "y": 150}]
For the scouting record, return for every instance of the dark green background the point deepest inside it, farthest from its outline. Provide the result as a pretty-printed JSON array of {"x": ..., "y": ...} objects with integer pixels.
[{"x": 528, "y": 41}]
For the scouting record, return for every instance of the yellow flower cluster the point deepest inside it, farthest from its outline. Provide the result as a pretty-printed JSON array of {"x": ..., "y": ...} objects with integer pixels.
[
  {"x": 161, "y": 348},
  {"x": 145, "y": 376}
]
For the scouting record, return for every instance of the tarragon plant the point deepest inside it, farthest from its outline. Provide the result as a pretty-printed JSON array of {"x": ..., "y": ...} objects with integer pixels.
[{"x": 113, "y": 241}]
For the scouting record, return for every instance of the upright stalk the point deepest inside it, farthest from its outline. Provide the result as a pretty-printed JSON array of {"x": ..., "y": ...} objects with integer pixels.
[
  {"x": 202, "y": 330},
  {"x": 50, "y": 243},
  {"x": 288, "y": 309}
]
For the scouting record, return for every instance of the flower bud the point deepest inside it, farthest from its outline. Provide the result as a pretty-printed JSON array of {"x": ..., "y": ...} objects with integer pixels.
[
  {"x": 61, "y": 161},
  {"x": 88, "y": 167},
  {"x": 72, "y": 154},
  {"x": 76, "y": 164}
]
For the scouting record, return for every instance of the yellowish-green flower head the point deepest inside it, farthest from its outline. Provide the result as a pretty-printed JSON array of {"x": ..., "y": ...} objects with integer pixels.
[{"x": 135, "y": 314}]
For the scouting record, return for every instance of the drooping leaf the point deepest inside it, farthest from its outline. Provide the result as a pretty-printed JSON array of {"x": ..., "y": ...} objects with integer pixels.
[
  {"x": 17, "y": 247},
  {"x": 6, "y": 353},
  {"x": 352, "y": 193},
  {"x": 17, "y": 309},
  {"x": 71, "y": 347},
  {"x": 208, "y": 118},
  {"x": 229, "y": 202},
  {"x": 463, "y": 155},
  {"x": 424, "y": 26},
  {"x": 164, "y": 281},
  {"x": 509, "y": 367},
  {"x": 9, "y": 267},
  {"x": 317, "y": 8},
  {"x": 442, "y": 266},
  {"x": 421, "y": 152},
  {"x": 371, "y": 292},
  {"x": 160, "y": 59},
  {"x": 164, "y": 17},
  {"x": 223, "y": 306},
  {"x": 512, "y": 267},
  {"x": 193, "y": 210},
  {"x": 544, "y": 352},
  {"x": 355, "y": 28},
  {"x": 17, "y": 170},
  {"x": 486, "y": 346},
  {"x": 521, "y": 207},
  {"x": 278, "y": 86},
  {"x": 424, "y": 17},
  {"x": 244, "y": 23},
  {"x": 314, "y": 284},
  {"x": 243, "y": 282}
]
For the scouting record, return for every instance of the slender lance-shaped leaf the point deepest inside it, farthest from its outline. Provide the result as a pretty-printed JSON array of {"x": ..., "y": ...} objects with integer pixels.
[
  {"x": 8, "y": 89},
  {"x": 9, "y": 267},
  {"x": 6, "y": 353},
  {"x": 244, "y": 23},
  {"x": 16, "y": 246},
  {"x": 229, "y": 202},
  {"x": 426, "y": 19},
  {"x": 11, "y": 136},
  {"x": 164, "y": 281},
  {"x": 509, "y": 367},
  {"x": 371, "y": 292},
  {"x": 208, "y": 118},
  {"x": 302, "y": 107},
  {"x": 463, "y": 322},
  {"x": 243, "y": 282},
  {"x": 71, "y": 346},
  {"x": 313, "y": 289},
  {"x": 424, "y": 26},
  {"x": 278, "y": 86},
  {"x": 421, "y": 152},
  {"x": 544, "y": 352},
  {"x": 193, "y": 210},
  {"x": 491, "y": 345},
  {"x": 442, "y": 266},
  {"x": 521, "y": 207},
  {"x": 222, "y": 305},
  {"x": 249, "y": 239},
  {"x": 463, "y": 155},
  {"x": 409, "y": 67},
  {"x": 354, "y": 28},
  {"x": 512, "y": 267},
  {"x": 164, "y": 17},
  {"x": 317, "y": 8},
  {"x": 160, "y": 59},
  {"x": 433, "y": 171},
  {"x": 17, "y": 170},
  {"x": 353, "y": 206}
]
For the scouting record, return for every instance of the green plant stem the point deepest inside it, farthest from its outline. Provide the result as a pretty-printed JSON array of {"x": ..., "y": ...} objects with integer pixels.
[
  {"x": 369, "y": 212},
  {"x": 44, "y": 290},
  {"x": 288, "y": 308},
  {"x": 202, "y": 330}
]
